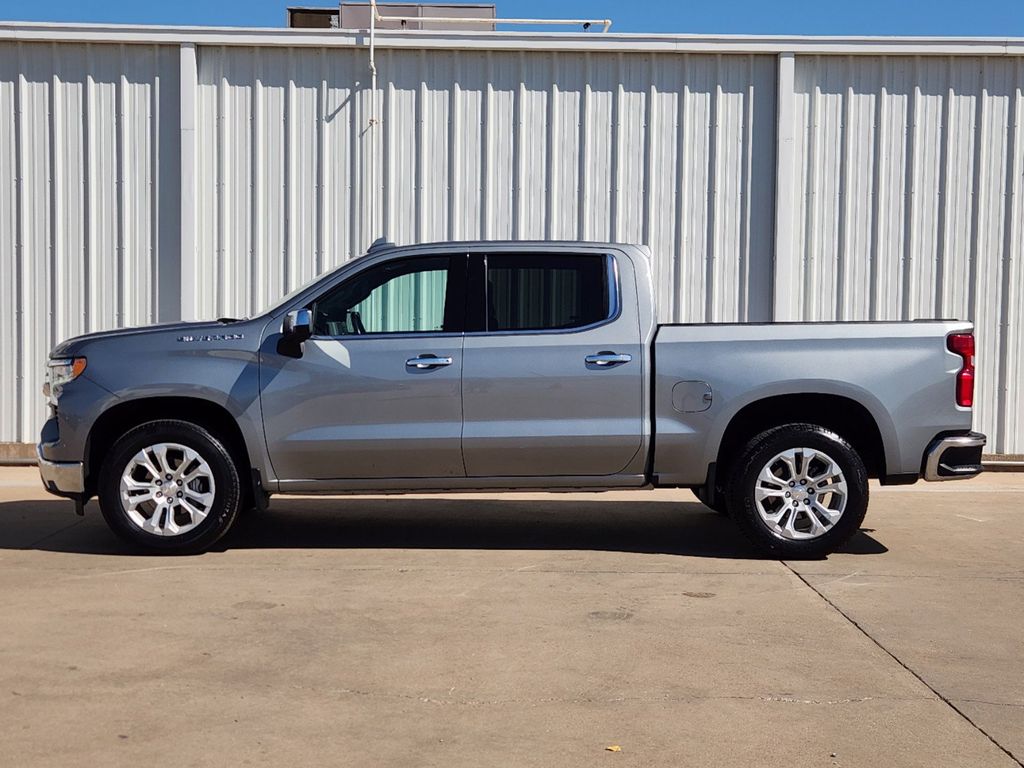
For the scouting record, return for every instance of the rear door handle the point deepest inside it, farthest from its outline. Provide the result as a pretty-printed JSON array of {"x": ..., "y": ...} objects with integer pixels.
[
  {"x": 605, "y": 359},
  {"x": 427, "y": 361}
]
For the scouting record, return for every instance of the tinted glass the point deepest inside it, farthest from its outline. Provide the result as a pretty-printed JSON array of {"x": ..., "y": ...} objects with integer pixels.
[
  {"x": 402, "y": 296},
  {"x": 532, "y": 293}
]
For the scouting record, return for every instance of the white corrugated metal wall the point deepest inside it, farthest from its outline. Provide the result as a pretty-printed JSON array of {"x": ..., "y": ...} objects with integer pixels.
[
  {"x": 896, "y": 188},
  {"x": 88, "y": 203},
  {"x": 296, "y": 175},
  {"x": 909, "y": 204}
]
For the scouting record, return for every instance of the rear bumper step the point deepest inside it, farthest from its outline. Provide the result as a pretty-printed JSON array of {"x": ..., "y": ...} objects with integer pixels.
[{"x": 954, "y": 457}]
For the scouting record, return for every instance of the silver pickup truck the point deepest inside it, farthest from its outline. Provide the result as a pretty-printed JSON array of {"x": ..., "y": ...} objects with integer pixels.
[{"x": 503, "y": 365}]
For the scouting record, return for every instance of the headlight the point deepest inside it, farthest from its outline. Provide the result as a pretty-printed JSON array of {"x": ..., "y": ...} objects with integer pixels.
[{"x": 58, "y": 373}]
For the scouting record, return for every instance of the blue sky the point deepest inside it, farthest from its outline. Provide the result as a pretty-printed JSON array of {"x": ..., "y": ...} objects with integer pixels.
[{"x": 1000, "y": 18}]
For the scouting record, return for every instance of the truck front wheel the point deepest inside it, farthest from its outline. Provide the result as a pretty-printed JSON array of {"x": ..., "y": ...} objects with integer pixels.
[
  {"x": 170, "y": 486},
  {"x": 798, "y": 491}
]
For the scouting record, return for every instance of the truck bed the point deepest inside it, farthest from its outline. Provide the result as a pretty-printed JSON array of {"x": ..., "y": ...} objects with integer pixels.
[{"x": 901, "y": 373}]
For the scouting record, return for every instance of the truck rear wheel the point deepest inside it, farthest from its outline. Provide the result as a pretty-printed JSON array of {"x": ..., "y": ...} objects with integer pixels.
[
  {"x": 170, "y": 486},
  {"x": 798, "y": 491}
]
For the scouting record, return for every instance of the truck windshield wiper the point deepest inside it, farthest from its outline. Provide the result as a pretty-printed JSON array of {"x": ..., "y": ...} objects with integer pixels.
[{"x": 228, "y": 320}]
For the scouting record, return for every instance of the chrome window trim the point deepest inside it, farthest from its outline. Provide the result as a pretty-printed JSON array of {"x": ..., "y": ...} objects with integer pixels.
[
  {"x": 396, "y": 335},
  {"x": 615, "y": 306}
]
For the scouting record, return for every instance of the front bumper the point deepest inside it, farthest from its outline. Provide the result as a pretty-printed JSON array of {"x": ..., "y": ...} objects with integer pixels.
[
  {"x": 63, "y": 478},
  {"x": 954, "y": 457}
]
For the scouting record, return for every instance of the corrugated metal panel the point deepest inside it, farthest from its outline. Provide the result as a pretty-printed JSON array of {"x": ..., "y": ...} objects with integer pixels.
[
  {"x": 88, "y": 134},
  {"x": 301, "y": 165},
  {"x": 909, "y": 185},
  {"x": 910, "y": 204}
]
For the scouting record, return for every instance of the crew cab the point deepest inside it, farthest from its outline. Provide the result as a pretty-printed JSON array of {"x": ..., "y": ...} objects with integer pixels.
[{"x": 499, "y": 366}]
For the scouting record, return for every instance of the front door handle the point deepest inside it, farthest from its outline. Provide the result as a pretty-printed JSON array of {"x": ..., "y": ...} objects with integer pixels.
[
  {"x": 427, "y": 361},
  {"x": 605, "y": 359}
]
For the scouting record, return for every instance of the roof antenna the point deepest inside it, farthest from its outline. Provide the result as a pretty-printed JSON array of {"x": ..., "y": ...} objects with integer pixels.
[{"x": 380, "y": 244}]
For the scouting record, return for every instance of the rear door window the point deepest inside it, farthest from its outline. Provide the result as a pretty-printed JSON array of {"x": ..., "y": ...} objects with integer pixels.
[{"x": 542, "y": 292}]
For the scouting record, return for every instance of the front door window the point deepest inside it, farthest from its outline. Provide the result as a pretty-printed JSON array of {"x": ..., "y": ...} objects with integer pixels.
[{"x": 404, "y": 296}]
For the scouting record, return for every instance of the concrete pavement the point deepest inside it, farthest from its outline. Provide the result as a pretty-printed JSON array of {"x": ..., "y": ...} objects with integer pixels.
[{"x": 516, "y": 630}]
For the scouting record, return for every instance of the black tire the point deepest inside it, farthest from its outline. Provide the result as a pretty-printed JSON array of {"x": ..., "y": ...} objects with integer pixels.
[
  {"x": 719, "y": 504},
  {"x": 761, "y": 450},
  {"x": 227, "y": 492}
]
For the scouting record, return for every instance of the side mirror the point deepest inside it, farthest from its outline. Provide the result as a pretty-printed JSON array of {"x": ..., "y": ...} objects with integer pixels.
[
  {"x": 298, "y": 324},
  {"x": 297, "y": 327}
]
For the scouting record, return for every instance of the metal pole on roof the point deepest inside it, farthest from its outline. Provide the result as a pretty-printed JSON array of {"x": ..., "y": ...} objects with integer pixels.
[
  {"x": 373, "y": 228},
  {"x": 373, "y": 41}
]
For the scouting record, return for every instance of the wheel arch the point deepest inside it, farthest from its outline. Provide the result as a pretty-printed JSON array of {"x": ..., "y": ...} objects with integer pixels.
[
  {"x": 127, "y": 414},
  {"x": 847, "y": 417}
]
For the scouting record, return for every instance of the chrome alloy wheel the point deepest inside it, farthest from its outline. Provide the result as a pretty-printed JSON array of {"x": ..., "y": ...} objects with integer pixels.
[
  {"x": 167, "y": 489},
  {"x": 800, "y": 494}
]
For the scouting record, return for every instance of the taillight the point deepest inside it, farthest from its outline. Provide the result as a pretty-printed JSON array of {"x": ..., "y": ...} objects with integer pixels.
[{"x": 963, "y": 344}]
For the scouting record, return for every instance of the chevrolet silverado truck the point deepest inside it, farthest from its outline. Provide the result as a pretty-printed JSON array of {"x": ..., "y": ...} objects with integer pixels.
[{"x": 498, "y": 366}]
